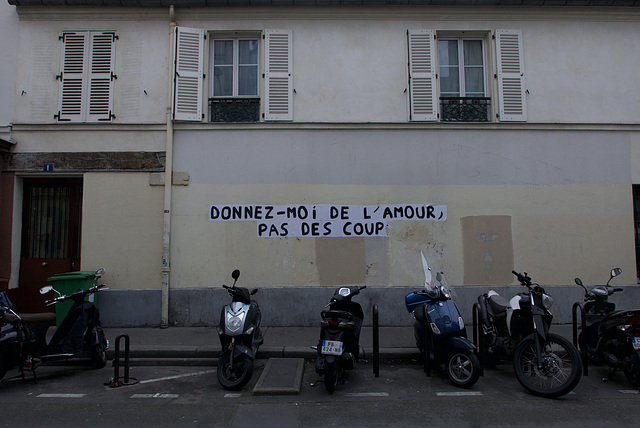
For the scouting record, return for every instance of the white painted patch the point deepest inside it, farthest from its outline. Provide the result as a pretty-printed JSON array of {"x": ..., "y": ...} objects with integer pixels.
[
  {"x": 157, "y": 395},
  {"x": 366, "y": 394},
  {"x": 458, "y": 393},
  {"x": 160, "y": 379},
  {"x": 232, "y": 395},
  {"x": 61, "y": 395},
  {"x": 628, "y": 391}
]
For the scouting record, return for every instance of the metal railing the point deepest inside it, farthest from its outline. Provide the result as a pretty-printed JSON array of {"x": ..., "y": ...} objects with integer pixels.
[
  {"x": 464, "y": 109},
  {"x": 234, "y": 109}
]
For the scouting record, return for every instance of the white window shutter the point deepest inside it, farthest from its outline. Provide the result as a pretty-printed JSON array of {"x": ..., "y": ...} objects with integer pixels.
[
  {"x": 422, "y": 75},
  {"x": 278, "y": 75},
  {"x": 72, "y": 77},
  {"x": 101, "y": 77},
  {"x": 511, "y": 88},
  {"x": 188, "y": 63}
]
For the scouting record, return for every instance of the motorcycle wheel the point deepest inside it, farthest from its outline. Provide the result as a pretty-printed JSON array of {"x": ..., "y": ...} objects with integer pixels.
[
  {"x": 236, "y": 378},
  {"x": 330, "y": 376},
  {"x": 99, "y": 355},
  {"x": 632, "y": 373},
  {"x": 463, "y": 369},
  {"x": 561, "y": 368}
]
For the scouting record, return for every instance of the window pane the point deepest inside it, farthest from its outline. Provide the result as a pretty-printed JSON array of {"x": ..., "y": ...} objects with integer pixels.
[
  {"x": 474, "y": 82},
  {"x": 473, "y": 52},
  {"x": 223, "y": 81},
  {"x": 223, "y": 52},
  {"x": 248, "y": 52},
  {"x": 449, "y": 69},
  {"x": 248, "y": 80},
  {"x": 448, "y": 52}
]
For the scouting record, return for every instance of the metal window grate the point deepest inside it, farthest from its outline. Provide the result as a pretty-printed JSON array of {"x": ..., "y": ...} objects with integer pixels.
[
  {"x": 464, "y": 109},
  {"x": 234, "y": 109}
]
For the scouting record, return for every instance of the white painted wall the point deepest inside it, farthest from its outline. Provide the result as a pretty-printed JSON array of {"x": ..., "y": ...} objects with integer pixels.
[{"x": 8, "y": 50}]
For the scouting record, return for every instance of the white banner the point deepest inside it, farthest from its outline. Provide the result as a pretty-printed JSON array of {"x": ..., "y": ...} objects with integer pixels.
[{"x": 326, "y": 220}]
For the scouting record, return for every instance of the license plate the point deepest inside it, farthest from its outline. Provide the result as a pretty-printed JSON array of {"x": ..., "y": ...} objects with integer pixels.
[
  {"x": 636, "y": 343},
  {"x": 331, "y": 347}
]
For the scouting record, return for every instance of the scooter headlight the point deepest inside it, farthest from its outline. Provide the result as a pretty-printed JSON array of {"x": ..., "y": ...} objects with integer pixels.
[
  {"x": 234, "y": 323},
  {"x": 547, "y": 301}
]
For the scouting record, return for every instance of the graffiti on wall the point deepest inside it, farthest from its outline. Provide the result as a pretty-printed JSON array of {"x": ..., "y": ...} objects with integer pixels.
[{"x": 325, "y": 220}]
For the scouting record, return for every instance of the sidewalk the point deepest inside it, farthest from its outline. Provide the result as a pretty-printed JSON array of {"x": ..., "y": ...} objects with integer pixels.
[{"x": 201, "y": 346}]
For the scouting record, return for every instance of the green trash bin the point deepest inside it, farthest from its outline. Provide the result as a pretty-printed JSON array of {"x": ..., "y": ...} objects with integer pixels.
[{"x": 67, "y": 283}]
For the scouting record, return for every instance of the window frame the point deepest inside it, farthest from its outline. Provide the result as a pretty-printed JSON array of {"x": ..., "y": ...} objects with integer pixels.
[{"x": 235, "y": 38}]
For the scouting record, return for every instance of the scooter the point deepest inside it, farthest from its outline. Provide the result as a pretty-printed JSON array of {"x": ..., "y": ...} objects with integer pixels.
[
  {"x": 23, "y": 336},
  {"x": 545, "y": 364},
  {"x": 339, "y": 344},
  {"x": 240, "y": 336},
  {"x": 608, "y": 336},
  {"x": 440, "y": 333}
]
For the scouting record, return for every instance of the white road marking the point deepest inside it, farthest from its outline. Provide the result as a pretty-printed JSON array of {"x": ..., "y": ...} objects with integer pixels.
[
  {"x": 177, "y": 376},
  {"x": 158, "y": 395},
  {"x": 457, "y": 393},
  {"x": 628, "y": 391},
  {"x": 61, "y": 395},
  {"x": 366, "y": 394}
]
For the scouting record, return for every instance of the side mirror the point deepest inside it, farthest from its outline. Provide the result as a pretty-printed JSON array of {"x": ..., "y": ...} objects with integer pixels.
[
  {"x": 100, "y": 272},
  {"x": 615, "y": 272},
  {"x": 579, "y": 282},
  {"x": 235, "y": 274},
  {"x": 46, "y": 289}
]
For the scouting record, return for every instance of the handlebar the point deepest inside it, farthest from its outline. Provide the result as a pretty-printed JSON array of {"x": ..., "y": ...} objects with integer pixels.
[
  {"x": 75, "y": 294},
  {"x": 524, "y": 279}
]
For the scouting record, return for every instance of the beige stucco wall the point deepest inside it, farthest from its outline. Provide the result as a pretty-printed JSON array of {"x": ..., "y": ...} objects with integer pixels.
[
  {"x": 553, "y": 233},
  {"x": 122, "y": 229}
]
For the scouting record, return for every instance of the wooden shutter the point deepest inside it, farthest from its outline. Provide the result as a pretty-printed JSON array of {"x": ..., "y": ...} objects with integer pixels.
[
  {"x": 278, "y": 75},
  {"x": 511, "y": 88},
  {"x": 72, "y": 77},
  {"x": 422, "y": 75},
  {"x": 187, "y": 74},
  {"x": 101, "y": 77}
]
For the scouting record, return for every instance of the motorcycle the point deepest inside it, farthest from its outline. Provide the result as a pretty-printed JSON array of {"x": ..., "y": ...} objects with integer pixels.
[
  {"x": 440, "y": 333},
  {"x": 240, "y": 336},
  {"x": 609, "y": 336},
  {"x": 23, "y": 336},
  {"x": 339, "y": 344},
  {"x": 545, "y": 364}
]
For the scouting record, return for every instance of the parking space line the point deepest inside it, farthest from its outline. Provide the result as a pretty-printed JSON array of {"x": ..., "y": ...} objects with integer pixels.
[
  {"x": 458, "y": 393},
  {"x": 61, "y": 395},
  {"x": 628, "y": 391},
  {"x": 157, "y": 395},
  {"x": 232, "y": 395},
  {"x": 366, "y": 394}
]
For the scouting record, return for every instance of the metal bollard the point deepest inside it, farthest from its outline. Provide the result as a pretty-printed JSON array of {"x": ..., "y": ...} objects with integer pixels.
[
  {"x": 376, "y": 342},
  {"x": 115, "y": 380}
]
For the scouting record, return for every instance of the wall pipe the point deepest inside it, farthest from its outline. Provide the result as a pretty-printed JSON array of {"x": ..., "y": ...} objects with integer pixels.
[{"x": 168, "y": 181}]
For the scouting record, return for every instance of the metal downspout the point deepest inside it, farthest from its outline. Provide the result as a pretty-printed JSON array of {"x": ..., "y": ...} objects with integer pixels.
[{"x": 168, "y": 181}]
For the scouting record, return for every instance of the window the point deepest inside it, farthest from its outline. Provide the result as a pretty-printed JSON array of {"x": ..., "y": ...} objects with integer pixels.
[
  {"x": 250, "y": 77},
  {"x": 234, "y": 82},
  {"x": 87, "y": 76},
  {"x": 462, "y": 80},
  {"x": 448, "y": 80}
]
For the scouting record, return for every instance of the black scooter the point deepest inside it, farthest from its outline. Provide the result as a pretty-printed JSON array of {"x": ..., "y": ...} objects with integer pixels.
[
  {"x": 240, "y": 336},
  {"x": 23, "y": 336},
  {"x": 339, "y": 344},
  {"x": 608, "y": 336},
  {"x": 440, "y": 333}
]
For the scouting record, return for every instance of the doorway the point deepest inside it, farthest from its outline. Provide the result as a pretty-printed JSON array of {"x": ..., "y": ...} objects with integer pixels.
[{"x": 51, "y": 221}]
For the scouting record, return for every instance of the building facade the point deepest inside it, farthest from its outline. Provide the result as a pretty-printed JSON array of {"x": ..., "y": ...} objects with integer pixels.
[{"x": 316, "y": 145}]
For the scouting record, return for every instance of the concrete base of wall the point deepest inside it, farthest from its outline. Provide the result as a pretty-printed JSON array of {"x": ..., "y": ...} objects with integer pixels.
[{"x": 302, "y": 306}]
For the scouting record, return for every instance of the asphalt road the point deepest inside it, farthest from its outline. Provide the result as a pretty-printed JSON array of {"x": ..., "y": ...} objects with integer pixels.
[{"x": 401, "y": 396}]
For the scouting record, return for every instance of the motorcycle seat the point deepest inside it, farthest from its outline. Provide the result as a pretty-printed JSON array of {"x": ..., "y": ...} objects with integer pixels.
[
  {"x": 498, "y": 303},
  {"x": 49, "y": 317}
]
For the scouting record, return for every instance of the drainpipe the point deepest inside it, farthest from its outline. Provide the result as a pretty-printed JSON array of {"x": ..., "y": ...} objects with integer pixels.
[{"x": 168, "y": 181}]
